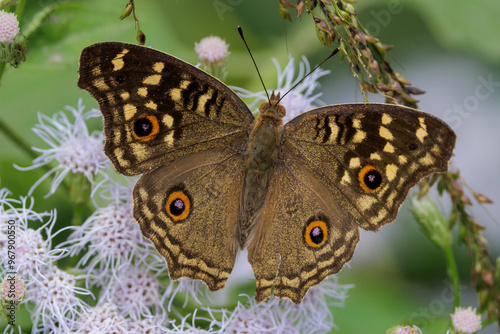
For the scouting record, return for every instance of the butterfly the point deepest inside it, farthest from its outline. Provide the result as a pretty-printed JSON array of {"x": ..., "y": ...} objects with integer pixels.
[{"x": 216, "y": 179}]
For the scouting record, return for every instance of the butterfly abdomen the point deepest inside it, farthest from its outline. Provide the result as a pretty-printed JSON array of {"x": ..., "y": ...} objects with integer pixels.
[{"x": 262, "y": 152}]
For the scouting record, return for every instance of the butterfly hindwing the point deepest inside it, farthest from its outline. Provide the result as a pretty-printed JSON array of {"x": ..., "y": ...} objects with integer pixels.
[
  {"x": 188, "y": 209},
  {"x": 156, "y": 107},
  {"x": 369, "y": 155},
  {"x": 302, "y": 237}
]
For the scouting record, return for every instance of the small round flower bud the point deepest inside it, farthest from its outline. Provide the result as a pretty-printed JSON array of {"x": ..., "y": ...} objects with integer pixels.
[
  {"x": 12, "y": 44},
  {"x": 212, "y": 50},
  {"x": 12, "y": 293},
  {"x": 465, "y": 320},
  {"x": 9, "y": 27},
  {"x": 128, "y": 10}
]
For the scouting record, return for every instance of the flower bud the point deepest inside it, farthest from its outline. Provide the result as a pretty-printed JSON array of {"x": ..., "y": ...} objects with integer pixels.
[
  {"x": 399, "y": 77},
  {"x": 141, "y": 38},
  {"x": 431, "y": 221},
  {"x": 9, "y": 27},
  {"x": 128, "y": 10},
  {"x": 374, "y": 66},
  {"x": 299, "y": 7},
  {"x": 408, "y": 98},
  {"x": 321, "y": 24},
  {"x": 12, "y": 293},
  {"x": 284, "y": 13},
  {"x": 12, "y": 43},
  {"x": 481, "y": 198},
  {"x": 414, "y": 90},
  {"x": 286, "y": 3},
  {"x": 350, "y": 9},
  {"x": 213, "y": 51},
  {"x": 337, "y": 19},
  {"x": 465, "y": 320}
]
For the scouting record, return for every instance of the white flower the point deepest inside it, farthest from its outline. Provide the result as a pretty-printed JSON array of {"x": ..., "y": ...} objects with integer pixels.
[
  {"x": 275, "y": 315},
  {"x": 266, "y": 318},
  {"x": 466, "y": 320},
  {"x": 71, "y": 146},
  {"x": 8, "y": 215},
  {"x": 134, "y": 291},
  {"x": 32, "y": 251},
  {"x": 103, "y": 318},
  {"x": 185, "y": 327},
  {"x": 151, "y": 325},
  {"x": 212, "y": 50},
  {"x": 193, "y": 289},
  {"x": 115, "y": 190},
  {"x": 314, "y": 311},
  {"x": 9, "y": 26},
  {"x": 299, "y": 100},
  {"x": 110, "y": 238},
  {"x": 54, "y": 294}
]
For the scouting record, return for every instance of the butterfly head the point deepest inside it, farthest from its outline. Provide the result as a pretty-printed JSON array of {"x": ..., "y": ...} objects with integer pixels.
[{"x": 273, "y": 108}]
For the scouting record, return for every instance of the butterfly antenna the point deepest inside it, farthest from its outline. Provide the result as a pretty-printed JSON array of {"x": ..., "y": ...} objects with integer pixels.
[
  {"x": 254, "y": 63},
  {"x": 314, "y": 69}
]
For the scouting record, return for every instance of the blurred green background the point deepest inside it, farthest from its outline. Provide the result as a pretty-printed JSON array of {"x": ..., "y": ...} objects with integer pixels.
[{"x": 447, "y": 48}]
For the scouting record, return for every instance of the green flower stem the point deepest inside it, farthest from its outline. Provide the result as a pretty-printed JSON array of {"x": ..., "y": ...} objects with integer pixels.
[
  {"x": 2, "y": 69},
  {"x": 77, "y": 215},
  {"x": 76, "y": 221},
  {"x": 453, "y": 273}
]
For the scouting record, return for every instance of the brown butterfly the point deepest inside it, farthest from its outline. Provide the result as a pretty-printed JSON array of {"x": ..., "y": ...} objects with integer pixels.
[{"x": 216, "y": 179}]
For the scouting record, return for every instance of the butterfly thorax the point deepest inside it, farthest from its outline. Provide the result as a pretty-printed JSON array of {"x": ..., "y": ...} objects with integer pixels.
[{"x": 262, "y": 154}]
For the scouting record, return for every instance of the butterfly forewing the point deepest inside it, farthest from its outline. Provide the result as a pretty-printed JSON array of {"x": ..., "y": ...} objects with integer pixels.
[
  {"x": 156, "y": 107},
  {"x": 370, "y": 155}
]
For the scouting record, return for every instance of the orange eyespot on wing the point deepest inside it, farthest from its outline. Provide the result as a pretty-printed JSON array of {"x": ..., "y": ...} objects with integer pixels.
[
  {"x": 316, "y": 233},
  {"x": 370, "y": 179},
  {"x": 145, "y": 128},
  {"x": 178, "y": 205}
]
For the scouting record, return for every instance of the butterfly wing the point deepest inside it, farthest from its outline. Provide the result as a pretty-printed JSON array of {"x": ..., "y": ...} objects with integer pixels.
[
  {"x": 303, "y": 236},
  {"x": 341, "y": 167},
  {"x": 370, "y": 155},
  {"x": 189, "y": 209},
  {"x": 156, "y": 107}
]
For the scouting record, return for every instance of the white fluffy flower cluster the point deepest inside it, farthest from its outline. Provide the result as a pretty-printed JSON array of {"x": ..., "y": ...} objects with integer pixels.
[
  {"x": 72, "y": 147},
  {"x": 51, "y": 294}
]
